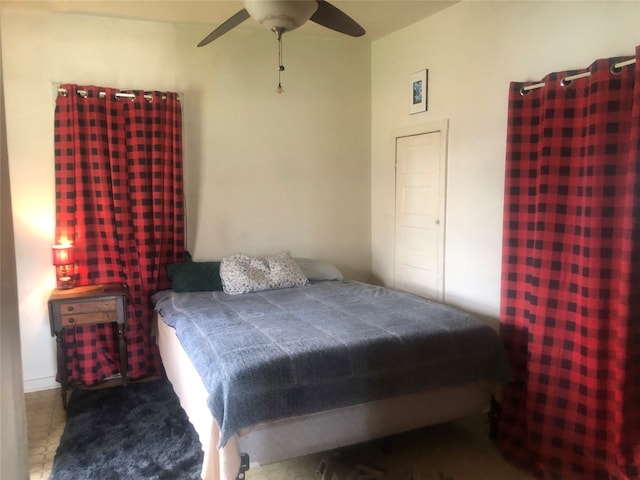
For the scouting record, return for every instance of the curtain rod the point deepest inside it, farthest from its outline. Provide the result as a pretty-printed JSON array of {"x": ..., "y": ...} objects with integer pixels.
[
  {"x": 566, "y": 81},
  {"x": 83, "y": 93}
]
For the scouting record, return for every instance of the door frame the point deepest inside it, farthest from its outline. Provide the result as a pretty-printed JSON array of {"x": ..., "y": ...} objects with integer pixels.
[{"x": 413, "y": 130}]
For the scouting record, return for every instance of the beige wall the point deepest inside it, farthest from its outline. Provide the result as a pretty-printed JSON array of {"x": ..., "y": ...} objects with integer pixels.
[
  {"x": 264, "y": 172},
  {"x": 473, "y": 50}
]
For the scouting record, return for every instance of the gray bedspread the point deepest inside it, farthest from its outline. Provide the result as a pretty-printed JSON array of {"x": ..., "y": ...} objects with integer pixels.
[{"x": 281, "y": 353}]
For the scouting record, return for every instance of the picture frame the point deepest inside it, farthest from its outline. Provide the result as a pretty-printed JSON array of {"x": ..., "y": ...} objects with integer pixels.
[{"x": 419, "y": 91}]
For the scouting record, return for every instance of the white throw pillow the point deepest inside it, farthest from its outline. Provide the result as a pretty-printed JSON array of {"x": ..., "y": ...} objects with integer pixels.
[
  {"x": 245, "y": 274},
  {"x": 315, "y": 269}
]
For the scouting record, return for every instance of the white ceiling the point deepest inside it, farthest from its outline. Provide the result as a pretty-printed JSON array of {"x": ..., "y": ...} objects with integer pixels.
[{"x": 378, "y": 17}]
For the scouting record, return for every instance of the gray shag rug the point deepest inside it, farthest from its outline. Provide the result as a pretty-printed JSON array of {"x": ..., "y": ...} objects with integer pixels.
[{"x": 133, "y": 432}]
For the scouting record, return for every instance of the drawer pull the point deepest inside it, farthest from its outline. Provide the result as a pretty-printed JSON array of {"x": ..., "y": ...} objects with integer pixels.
[
  {"x": 69, "y": 308},
  {"x": 72, "y": 320}
]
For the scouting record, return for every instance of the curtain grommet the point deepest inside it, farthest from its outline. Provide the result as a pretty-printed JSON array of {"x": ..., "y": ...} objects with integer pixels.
[{"x": 615, "y": 70}]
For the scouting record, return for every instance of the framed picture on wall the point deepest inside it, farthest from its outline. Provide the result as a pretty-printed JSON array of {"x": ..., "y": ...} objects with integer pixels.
[{"x": 419, "y": 87}]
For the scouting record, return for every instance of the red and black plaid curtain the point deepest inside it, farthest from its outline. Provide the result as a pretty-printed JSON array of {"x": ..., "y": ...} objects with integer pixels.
[
  {"x": 119, "y": 200},
  {"x": 570, "y": 312}
]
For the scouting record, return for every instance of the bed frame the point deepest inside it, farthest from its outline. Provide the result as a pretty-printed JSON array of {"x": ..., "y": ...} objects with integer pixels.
[{"x": 293, "y": 437}]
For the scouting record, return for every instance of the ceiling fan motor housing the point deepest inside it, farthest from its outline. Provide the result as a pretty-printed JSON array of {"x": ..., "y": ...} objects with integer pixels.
[{"x": 284, "y": 15}]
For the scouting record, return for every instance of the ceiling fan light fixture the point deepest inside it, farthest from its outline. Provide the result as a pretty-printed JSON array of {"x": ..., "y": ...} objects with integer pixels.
[{"x": 286, "y": 15}]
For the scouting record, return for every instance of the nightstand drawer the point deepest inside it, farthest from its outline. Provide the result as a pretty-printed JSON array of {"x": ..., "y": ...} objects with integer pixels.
[
  {"x": 108, "y": 304},
  {"x": 93, "y": 317}
]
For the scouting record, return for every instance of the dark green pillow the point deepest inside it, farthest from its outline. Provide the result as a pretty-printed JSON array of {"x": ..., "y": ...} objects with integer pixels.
[{"x": 189, "y": 276}]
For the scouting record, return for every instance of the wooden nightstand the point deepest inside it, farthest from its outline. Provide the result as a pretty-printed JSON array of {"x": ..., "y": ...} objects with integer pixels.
[{"x": 85, "y": 306}]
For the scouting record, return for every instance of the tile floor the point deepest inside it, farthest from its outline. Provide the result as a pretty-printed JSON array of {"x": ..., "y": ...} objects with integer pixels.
[
  {"x": 45, "y": 422},
  {"x": 461, "y": 449}
]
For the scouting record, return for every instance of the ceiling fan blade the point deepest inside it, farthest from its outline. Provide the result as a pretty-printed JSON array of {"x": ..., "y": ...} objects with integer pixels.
[
  {"x": 332, "y": 17},
  {"x": 232, "y": 22}
]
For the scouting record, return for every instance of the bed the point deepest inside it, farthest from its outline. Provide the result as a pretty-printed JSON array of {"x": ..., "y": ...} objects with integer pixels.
[{"x": 279, "y": 372}]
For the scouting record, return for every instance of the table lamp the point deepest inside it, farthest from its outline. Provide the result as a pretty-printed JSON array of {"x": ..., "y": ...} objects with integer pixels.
[{"x": 63, "y": 261}]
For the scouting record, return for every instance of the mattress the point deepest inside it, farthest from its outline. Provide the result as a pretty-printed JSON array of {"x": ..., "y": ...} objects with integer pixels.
[
  {"x": 286, "y": 353},
  {"x": 291, "y": 437}
]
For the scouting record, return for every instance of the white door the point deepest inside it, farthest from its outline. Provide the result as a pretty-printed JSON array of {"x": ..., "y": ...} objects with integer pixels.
[{"x": 420, "y": 196}]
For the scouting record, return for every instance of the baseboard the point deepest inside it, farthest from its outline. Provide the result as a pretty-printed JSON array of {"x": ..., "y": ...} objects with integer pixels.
[{"x": 37, "y": 384}]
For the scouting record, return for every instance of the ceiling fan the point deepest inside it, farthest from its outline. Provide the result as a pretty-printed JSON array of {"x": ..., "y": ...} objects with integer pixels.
[
  {"x": 282, "y": 16},
  {"x": 285, "y": 15}
]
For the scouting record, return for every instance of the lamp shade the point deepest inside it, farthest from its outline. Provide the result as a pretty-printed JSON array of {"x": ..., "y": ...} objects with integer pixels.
[{"x": 62, "y": 255}]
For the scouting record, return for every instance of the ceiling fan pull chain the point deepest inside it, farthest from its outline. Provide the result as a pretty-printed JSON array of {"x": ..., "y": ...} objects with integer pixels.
[{"x": 280, "y": 66}]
